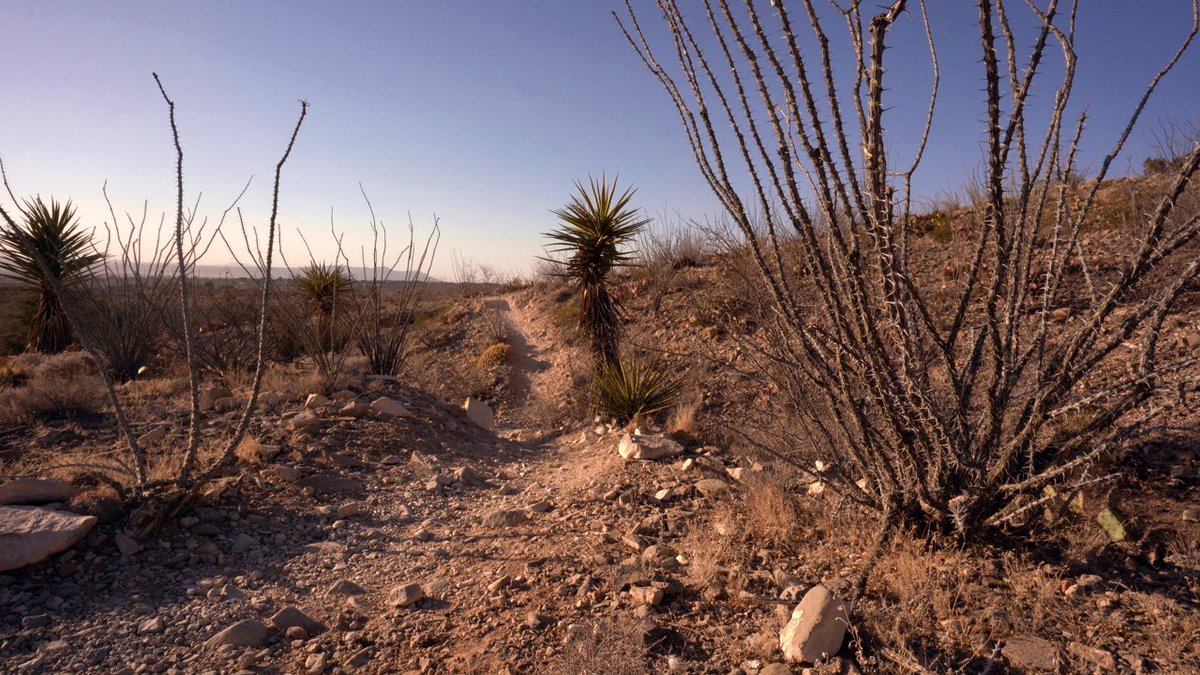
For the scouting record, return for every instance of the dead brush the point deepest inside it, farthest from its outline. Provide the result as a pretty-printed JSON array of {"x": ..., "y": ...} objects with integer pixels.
[
  {"x": 250, "y": 451},
  {"x": 603, "y": 647},
  {"x": 52, "y": 387},
  {"x": 770, "y": 508},
  {"x": 928, "y": 602},
  {"x": 938, "y": 395}
]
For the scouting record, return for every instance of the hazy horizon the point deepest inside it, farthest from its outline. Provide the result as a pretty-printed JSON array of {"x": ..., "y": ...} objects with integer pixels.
[{"x": 481, "y": 113}]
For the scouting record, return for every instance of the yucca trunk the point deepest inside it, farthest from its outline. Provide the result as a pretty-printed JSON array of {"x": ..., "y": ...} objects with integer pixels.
[{"x": 49, "y": 331}]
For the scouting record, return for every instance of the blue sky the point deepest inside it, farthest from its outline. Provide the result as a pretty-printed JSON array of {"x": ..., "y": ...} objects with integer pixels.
[{"x": 482, "y": 112}]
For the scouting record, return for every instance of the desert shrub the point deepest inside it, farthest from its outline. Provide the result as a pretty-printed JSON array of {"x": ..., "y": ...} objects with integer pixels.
[
  {"x": 597, "y": 224},
  {"x": 932, "y": 401},
  {"x": 51, "y": 387},
  {"x": 51, "y": 251},
  {"x": 629, "y": 390}
]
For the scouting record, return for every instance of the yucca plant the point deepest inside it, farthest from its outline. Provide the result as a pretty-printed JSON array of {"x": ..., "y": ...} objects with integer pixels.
[
  {"x": 322, "y": 284},
  {"x": 630, "y": 390},
  {"x": 597, "y": 224},
  {"x": 53, "y": 231}
]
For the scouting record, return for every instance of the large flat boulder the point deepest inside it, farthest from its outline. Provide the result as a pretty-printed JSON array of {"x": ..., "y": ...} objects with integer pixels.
[
  {"x": 36, "y": 491},
  {"x": 29, "y": 534}
]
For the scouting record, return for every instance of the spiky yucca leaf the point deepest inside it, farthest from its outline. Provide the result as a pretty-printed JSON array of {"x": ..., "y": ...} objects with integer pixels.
[
  {"x": 322, "y": 284},
  {"x": 597, "y": 224},
  {"x": 629, "y": 390},
  {"x": 55, "y": 236}
]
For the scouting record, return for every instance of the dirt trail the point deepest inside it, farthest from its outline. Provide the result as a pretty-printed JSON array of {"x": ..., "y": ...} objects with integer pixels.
[
  {"x": 540, "y": 368},
  {"x": 504, "y": 538}
]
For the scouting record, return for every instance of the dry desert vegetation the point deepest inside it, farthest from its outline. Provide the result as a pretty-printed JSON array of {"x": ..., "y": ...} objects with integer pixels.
[{"x": 835, "y": 430}]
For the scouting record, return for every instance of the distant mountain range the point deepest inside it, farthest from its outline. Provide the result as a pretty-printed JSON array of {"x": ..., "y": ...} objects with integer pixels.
[{"x": 235, "y": 272}]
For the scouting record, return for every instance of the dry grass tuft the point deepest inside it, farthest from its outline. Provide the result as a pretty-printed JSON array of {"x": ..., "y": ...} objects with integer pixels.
[
  {"x": 709, "y": 547},
  {"x": 494, "y": 356},
  {"x": 250, "y": 451},
  {"x": 682, "y": 422},
  {"x": 605, "y": 647},
  {"x": 770, "y": 508}
]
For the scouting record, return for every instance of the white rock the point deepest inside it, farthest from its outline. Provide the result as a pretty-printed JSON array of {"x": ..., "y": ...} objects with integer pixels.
[
  {"x": 817, "y": 628},
  {"x": 36, "y": 491},
  {"x": 648, "y": 447},
  {"x": 480, "y": 413},
  {"x": 315, "y": 401},
  {"x": 29, "y": 534},
  {"x": 242, "y": 634},
  {"x": 306, "y": 421},
  {"x": 407, "y": 595},
  {"x": 126, "y": 544},
  {"x": 386, "y": 407}
]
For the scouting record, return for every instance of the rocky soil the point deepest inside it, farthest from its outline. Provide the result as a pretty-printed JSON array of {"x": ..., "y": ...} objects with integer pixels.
[{"x": 384, "y": 530}]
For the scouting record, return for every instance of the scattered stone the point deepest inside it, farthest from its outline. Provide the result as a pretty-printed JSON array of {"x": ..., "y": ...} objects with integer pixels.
[
  {"x": 287, "y": 474},
  {"x": 646, "y": 595},
  {"x": 295, "y": 633},
  {"x": 775, "y": 669},
  {"x": 360, "y": 658},
  {"x": 391, "y": 460},
  {"x": 1099, "y": 657},
  {"x": 386, "y": 407},
  {"x": 648, "y": 447},
  {"x": 126, "y": 544},
  {"x": 739, "y": 474},
  {"x": 817, "y": 627},
  {"x": 268, "y": 398},
  {"x": 407, "y": 595},
  {"x": 535, "y": 620},
  {"x": 241, "y": 634},
  {"x": 344, "y": 395},
  {"x": 209, "y": 397},
  {"x": 315, "y": 401},
  {"x": 344, "y": 461},
  {"x": 349, "y": 509},
  {"x": 480, "y": 413},
  {"x": 711, "y": 487},
  {"x": 354, "y": 409},
  {"x": 315, "y": 663},
  {"x": 30, "y": 491},
  {"x": 326, "y": 483},
  {"x": 347, "y": 587},
  {"x": 505, "y": 518},
  {"x": 242, "y": 543},
  {"x": 150, "y": 626},
  {"x": 1030, "y": 652},
  {"x": 543, "y": 506},
  {"x": 306, "y": 421},
  {"x": 289, "y": 617},
  {"x": 29, "y": 534}
]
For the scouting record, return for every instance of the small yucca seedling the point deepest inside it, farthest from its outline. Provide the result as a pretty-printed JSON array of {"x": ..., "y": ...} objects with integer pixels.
[{"x": 629, "y": 391}]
